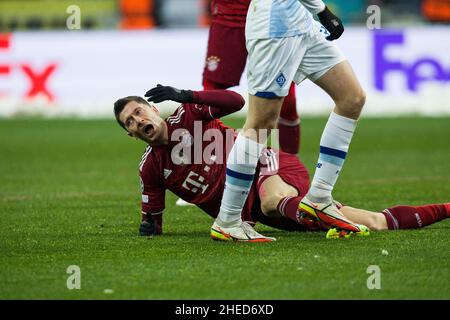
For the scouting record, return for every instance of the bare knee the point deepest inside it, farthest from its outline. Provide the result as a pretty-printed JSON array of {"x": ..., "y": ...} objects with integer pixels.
[
  {"x": 269, "y": 205},
  {"x": 271, "y": 192},
  {"x": 352, "y": 105},
  {"x": 265, "y": 120},
  {"x": 376, "y": 223},
  {"x": 263, "y": 113}
]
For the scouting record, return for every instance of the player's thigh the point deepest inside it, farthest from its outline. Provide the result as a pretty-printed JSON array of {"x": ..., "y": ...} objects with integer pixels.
[
  {"x": 371, "y": 219},
  {"x": 320, "y": 56},
  {"x": 271, "y": 191},
  {"x": 325, "y": 65},
  {"x": 222, "y": 65},
  {"x": 341, "y": 83}
]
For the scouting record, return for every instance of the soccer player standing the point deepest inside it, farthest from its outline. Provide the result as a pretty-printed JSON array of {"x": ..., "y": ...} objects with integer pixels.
[
  {"x": 286, "y": 44},
  {"x": 226, "y": 58},
  {"x": 225, "y": 62}
]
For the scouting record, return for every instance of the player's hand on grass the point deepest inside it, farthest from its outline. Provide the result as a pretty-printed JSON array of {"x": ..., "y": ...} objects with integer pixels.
[
  {"x": 149, "y": 228},
  {"x": 162, "y": 93},
  {"x": 332, "y": 23}
]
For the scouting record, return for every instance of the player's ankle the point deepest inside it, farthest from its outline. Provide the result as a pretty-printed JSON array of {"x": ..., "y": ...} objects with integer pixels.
[
  {"x": 318, "y": 199},
  {"x": 228, "y": 223}
]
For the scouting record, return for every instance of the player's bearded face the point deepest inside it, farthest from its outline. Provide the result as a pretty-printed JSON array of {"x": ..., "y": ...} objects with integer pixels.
[{"x": 144, "y": 122}]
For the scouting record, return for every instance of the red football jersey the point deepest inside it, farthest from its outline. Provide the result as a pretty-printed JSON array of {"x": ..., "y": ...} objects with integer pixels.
[
  {"x": 192, "y": 166},
  {"x": 232, "y": 13}
]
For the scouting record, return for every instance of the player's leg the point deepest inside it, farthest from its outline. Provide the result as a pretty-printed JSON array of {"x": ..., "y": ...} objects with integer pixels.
[
  {"x": 289, "y": 124},
  {"x": 279, "y": 204},
  {"x": 272, "y": 66},
  {"x": 223, "y": 67},
  {"x": 282, "y": 184},
  {"x": 399, "y": 217},
  {"x": 411, "y": 217},
  {"x": 373, "y": 220},
  {"x": 271, "y": 191},
  {"x": 341, "y": 84},
  {"x": 325, "y": 65}
]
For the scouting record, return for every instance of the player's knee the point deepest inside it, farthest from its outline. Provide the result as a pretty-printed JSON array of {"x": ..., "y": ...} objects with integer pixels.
[
  {"x": 374, "y": 223},
  {"x": 269, "y": 205},
  {"x": 360, "y": 100},
  {"x": 352, "y": 104},
  {"x": 268, "y": 120},
  {"x": 356, "y": 103},
  {"x": 265, "y": 113}
]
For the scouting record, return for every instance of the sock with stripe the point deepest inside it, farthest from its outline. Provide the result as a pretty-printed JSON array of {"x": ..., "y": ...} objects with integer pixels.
[
  {"x": 288, "y": 207},
  {"x": 241, "y": 167},
  {"x": 334, "y": 145},
  {"x": 412, "y": 217}
]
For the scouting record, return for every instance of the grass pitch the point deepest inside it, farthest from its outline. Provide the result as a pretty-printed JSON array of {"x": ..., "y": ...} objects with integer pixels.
[{"x": 69, "y": 195}]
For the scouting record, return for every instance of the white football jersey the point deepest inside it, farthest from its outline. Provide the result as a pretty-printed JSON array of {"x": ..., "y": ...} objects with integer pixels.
[{"x": 280, "y": 18}]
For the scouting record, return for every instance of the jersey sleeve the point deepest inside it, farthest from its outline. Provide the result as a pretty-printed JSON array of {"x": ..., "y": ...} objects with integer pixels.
[
  {"x": 152, "y": 188},
  {"x": 213, "y": 104},
  {"x": 201, "y": 112}
]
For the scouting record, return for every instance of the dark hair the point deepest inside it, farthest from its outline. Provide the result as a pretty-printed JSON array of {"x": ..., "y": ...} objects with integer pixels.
[{"x": 120, "y": 104}]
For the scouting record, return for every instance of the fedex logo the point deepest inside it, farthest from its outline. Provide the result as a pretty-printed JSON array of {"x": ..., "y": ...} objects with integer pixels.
[
  {"x": 412, "y": 70},
  {"x": 38, "y": 78}
]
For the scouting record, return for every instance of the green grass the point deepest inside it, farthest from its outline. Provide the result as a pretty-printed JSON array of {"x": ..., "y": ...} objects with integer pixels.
[{"x": 69, "y": 195}]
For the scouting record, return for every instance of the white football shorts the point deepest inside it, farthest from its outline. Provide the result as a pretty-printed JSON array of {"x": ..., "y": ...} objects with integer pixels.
[{"x": 274, "y": 63}]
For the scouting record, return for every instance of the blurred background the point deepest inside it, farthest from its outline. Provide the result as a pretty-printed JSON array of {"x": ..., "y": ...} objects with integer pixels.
[
  {"x": 143, "y": 14},
  {"x": 123, "y": 47}
]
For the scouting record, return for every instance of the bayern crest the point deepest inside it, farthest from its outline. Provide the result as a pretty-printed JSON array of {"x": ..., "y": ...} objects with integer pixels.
[{"x": 212, "y": 63}]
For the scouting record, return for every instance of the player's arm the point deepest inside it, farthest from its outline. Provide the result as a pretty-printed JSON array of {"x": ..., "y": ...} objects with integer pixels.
[
  {"x": 152, "y": 204},
  {"x": 327, "y": 18},
  {"x": 220, "y": 102}
]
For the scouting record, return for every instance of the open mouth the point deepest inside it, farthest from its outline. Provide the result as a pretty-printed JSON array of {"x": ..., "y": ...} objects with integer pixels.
[{"x": 148, "y": 129}]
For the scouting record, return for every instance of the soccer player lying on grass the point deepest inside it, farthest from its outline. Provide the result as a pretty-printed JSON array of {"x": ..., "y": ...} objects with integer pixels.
[{"x": 182, "y": 158}]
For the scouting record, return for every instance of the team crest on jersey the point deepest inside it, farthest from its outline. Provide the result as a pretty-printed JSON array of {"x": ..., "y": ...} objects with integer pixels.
[
  {"x": 281, "y": 80},
  {"x": 212, "y": 63}
]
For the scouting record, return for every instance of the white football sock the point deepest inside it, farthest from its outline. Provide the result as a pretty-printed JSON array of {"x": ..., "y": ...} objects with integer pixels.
[
  {"x": 241, "y": 167},
  {"x": 334, "y": 145}
]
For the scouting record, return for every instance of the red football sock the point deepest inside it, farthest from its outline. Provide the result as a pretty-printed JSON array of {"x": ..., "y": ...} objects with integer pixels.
[
  {"x": 409, "y": 217},
  {"x": 288, "y": 207},
  {"x": 289, "y": 124}
]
